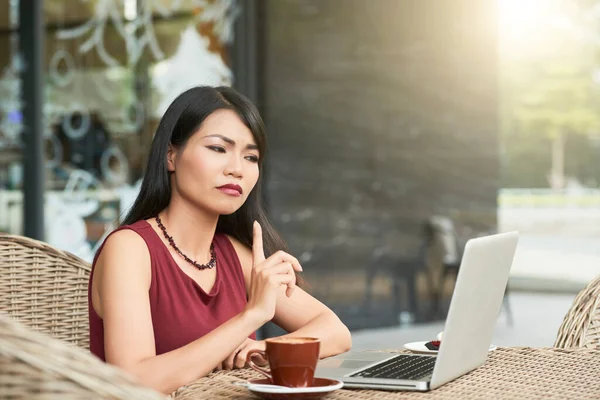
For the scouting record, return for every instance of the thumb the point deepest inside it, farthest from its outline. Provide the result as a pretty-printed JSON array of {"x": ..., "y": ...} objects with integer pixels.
[{"x": 258, "y": 253}]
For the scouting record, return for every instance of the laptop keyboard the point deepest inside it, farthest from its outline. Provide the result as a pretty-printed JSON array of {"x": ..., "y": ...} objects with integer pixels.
[{"x": 404, "y": 366}]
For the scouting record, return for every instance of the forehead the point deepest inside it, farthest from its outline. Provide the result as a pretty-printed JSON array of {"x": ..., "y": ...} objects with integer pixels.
[{"x": 227, "y": 123}]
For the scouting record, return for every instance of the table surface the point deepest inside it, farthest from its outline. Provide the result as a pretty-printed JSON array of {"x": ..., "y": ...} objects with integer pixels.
[{"x": 509, "y": 373}]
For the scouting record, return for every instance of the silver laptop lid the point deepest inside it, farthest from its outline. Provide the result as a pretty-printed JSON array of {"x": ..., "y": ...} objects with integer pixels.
[{"x": 475, "y": 305}]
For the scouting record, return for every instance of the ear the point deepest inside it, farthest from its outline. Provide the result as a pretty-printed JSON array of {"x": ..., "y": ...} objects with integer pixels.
[{"x": 171, "y": 153}]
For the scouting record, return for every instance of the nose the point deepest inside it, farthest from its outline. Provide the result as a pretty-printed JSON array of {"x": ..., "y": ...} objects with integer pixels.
[{"x": 234, "y": 166}]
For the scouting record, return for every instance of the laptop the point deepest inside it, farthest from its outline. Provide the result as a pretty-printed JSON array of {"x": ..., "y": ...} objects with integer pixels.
[{"x": 468, "y": 331}]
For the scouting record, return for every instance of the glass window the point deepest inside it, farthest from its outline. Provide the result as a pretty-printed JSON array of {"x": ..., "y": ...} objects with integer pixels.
[
  {"x": 111, "y": 69},
  {"x": 11, "y": 145},
  {"x": 551, "y": 140}
]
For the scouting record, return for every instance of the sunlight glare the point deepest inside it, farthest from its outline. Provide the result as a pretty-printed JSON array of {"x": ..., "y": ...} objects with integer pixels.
[{"x": 523, "y": 24}]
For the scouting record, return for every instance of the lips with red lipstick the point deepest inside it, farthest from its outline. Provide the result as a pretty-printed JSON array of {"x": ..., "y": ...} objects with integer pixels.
[{"x": 231, "y": 189}]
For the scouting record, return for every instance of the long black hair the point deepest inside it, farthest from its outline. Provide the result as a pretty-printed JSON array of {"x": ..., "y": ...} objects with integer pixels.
[{"x": 184, "y": 117}]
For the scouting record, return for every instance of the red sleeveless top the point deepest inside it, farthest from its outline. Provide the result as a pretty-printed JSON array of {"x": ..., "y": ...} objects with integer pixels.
[{"x": 181, "y": 310}]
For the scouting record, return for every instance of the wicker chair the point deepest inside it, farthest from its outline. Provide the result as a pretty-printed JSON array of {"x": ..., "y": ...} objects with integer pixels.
[
  {"x": 581, "y": 326},
  {"x": 44, "y": 288},
  {"x": 35, "y": 366}
]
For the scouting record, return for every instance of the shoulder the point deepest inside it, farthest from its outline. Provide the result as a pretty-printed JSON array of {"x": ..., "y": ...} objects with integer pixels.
[
  {"x": 123, "y": 238},
  {"x": 129, "y": 239},
  {"x": 243, "y": 252},
  {"x": 124, "y": 251}
]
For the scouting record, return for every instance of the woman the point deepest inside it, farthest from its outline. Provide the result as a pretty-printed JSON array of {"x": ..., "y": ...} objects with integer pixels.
[{"x": 179, "y": 290}]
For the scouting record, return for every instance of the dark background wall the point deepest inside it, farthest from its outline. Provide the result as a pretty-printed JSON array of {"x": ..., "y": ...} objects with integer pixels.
[{"x": 380, "y": 114}]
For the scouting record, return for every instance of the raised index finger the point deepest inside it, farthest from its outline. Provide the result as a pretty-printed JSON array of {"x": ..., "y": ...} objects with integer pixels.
[{"x": 258, "y": 253}]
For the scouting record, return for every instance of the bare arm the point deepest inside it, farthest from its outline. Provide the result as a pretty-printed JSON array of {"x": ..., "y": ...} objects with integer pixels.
[
  {"x": 120, "y": 297},
  {"x": 303, "y": 315}
]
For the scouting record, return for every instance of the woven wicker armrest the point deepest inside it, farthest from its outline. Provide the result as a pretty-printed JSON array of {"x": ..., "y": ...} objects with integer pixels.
[
  {"x": 581, "y": 325},
  {"x": 36, "y": 366},
  {"x": 44, "y": 288}
]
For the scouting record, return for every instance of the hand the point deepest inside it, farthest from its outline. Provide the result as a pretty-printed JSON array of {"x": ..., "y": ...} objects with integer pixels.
[
  {"x": 267, "y": 276},
  {"x": 237, "y": 359}
]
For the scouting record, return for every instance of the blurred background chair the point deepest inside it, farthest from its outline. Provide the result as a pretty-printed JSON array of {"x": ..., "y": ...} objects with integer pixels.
[
  {"x": 44, "y": 288},
  {"x": 402, "y": 271},
  {"x": 581, "y": 325},
  {"x": 36, "y": 366}
]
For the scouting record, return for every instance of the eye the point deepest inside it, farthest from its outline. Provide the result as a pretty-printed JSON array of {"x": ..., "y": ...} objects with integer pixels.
[
  {"x": 253, "y": 159},
  {"x": 218, "y": 149}
]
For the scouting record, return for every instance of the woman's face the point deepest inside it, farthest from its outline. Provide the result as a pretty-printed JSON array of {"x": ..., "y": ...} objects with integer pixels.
[{"x": 218, "y": 167}]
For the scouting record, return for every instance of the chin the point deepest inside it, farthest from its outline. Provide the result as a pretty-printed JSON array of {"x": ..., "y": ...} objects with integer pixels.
[
  {"x": 227, "y": 209},
  {"x": 227, "y": 212}
]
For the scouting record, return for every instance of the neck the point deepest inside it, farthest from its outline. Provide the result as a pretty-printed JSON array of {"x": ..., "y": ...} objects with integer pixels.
[{"x": 191, "y": 229}]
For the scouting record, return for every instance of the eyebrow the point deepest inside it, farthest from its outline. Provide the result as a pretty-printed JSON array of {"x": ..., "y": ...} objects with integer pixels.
[{"x": 231, "y": 141}]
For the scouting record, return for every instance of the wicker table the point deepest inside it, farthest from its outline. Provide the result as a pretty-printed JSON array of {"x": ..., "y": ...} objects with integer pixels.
[{"x": 509, "y": 373}]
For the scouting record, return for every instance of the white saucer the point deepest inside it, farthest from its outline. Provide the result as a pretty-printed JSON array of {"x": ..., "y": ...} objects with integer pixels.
[
  {"x": 320, "y": 388},
  {"x": 419, "y": 347}
]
